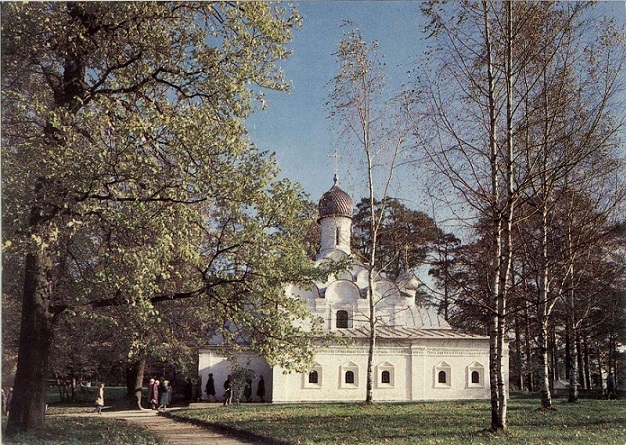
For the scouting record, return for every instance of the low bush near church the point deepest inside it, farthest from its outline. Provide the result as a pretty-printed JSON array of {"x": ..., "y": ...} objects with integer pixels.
[{"x": 449, "y": 423}]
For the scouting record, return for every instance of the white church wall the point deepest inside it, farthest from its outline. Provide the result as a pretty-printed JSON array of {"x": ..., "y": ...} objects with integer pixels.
[
  {"x": 455, "y": 358},
  {"x": 413, "y": 373},
  {"x": 215, "y": 361}
]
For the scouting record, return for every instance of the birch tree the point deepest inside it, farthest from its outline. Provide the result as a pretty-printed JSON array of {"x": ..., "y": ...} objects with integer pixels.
[
  {"x": 470, "y": 109},
  {"x": 357, "y": 103},
  {"x": 494, "y": 59},
  {"x": 568, "y": 130}
]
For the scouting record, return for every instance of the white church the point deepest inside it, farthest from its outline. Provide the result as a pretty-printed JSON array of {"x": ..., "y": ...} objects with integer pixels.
[{"x": 418, "y": 356}]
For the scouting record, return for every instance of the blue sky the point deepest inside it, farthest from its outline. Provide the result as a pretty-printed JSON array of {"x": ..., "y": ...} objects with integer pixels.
[{"x": 295, "y": 125}]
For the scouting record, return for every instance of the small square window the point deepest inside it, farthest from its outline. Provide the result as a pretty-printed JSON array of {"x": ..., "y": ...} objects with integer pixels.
[
  {"x": 342, "y": 319},
  {"x": 385, "y": 377},
  {"x": 442, "y": 377},
  {"x": 385, "y": 373},
  {"x": 475, "y": 377}
]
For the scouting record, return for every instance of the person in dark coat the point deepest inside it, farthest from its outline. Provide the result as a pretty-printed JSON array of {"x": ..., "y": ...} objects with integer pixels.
[
  {"x": 150, "y": 394},
  {"x": 247, "y": 390},
  {"x": 210, "y": 388},
  {"x": 166, "y": 395},
  {"x": 611, "y": 387},
  {"x": 228, "y": 391},
  {"x": 188, "y": 391},
  {"x": 154, "y": 402},
  {"x": 260, "y": 392}
]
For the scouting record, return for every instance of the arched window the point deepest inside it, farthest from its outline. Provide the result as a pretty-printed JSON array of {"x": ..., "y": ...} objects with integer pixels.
[
  {"x": 385, "y": 372},
  {"x": 342, "y": 319},
  {"x": 475, "y": 377},
  {"x": 338, "y": 236},
  {"x": 314, "y": 378},
  {"x": 349, "y": 377},
  {"x": 385, "y": 377},
  {"x": 350, "y": 373},
  {"x": 442, "y": 377}
]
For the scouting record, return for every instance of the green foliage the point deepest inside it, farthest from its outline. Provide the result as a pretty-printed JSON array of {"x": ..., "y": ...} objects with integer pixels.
[
  {"x": 132, "y": 190},
  {"x": 451, "y": 423},
  {"x": 126, "y": 162},
  {"x": 404, "y": 238}
]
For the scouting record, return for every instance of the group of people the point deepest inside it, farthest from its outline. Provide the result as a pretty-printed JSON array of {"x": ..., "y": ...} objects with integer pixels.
[
  {"x": 159, "y": 394},
  {"x": 229, "y": 388}
]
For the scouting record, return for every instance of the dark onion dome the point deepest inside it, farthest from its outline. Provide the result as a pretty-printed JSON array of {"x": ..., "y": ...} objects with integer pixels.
[{"x": 335, "y": 202}]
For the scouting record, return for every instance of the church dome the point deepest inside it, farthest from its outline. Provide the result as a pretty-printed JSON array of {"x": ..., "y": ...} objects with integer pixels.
[{"x": 335, "y": 202}]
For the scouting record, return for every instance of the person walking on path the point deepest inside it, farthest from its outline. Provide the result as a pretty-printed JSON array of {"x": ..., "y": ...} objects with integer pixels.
[
  {"x": 154, "y": 402},
  {"x": 166, "y": 395},
  {"x": 210, "y": 388},
  {"x": 150, "y": 394},
  {"x": 228, "y": 393},
  {"x": 260, "y": 392},
  {"x": 100, "y": 399}
]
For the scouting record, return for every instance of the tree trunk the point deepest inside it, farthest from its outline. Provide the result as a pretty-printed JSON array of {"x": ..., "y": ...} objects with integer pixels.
[
  {"x": 530, "y": 383},
  {"x": 493, "y": 371},
  {"x": 568, "y": 346},
  {"x": 546, "y": 398},
  {"x": 519, "y": 377},
  {"x": 554, "y": 354},
  {"x": 134, "y": 381},
  {"x": 369, "y": 386},
  {"x": 587, "y": 364},
  {"x": 573, "y": 348},
  {"x": 573, "y": 375},
  {"x": 29, "y": 393},
  {"x": 581, "y": 363}
]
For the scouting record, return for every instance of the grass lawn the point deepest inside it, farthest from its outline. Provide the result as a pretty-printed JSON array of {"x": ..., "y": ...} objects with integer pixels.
[
  {"x": 451, "y": 423},
  {"x": 84, "y": 430}
]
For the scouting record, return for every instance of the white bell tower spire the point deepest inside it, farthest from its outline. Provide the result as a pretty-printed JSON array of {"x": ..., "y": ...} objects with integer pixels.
[{"x": 335, "y": 219}]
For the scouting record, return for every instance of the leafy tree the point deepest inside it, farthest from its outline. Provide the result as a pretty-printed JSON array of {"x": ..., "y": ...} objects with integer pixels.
[
  {"x": 405, "y": 237},
  {"x": 447, "y": 272},
  {"x": 129, "y": 179}
]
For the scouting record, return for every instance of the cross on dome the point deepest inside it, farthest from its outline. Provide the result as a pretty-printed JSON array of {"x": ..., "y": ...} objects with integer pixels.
[{"x": 335, "y": 156}]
